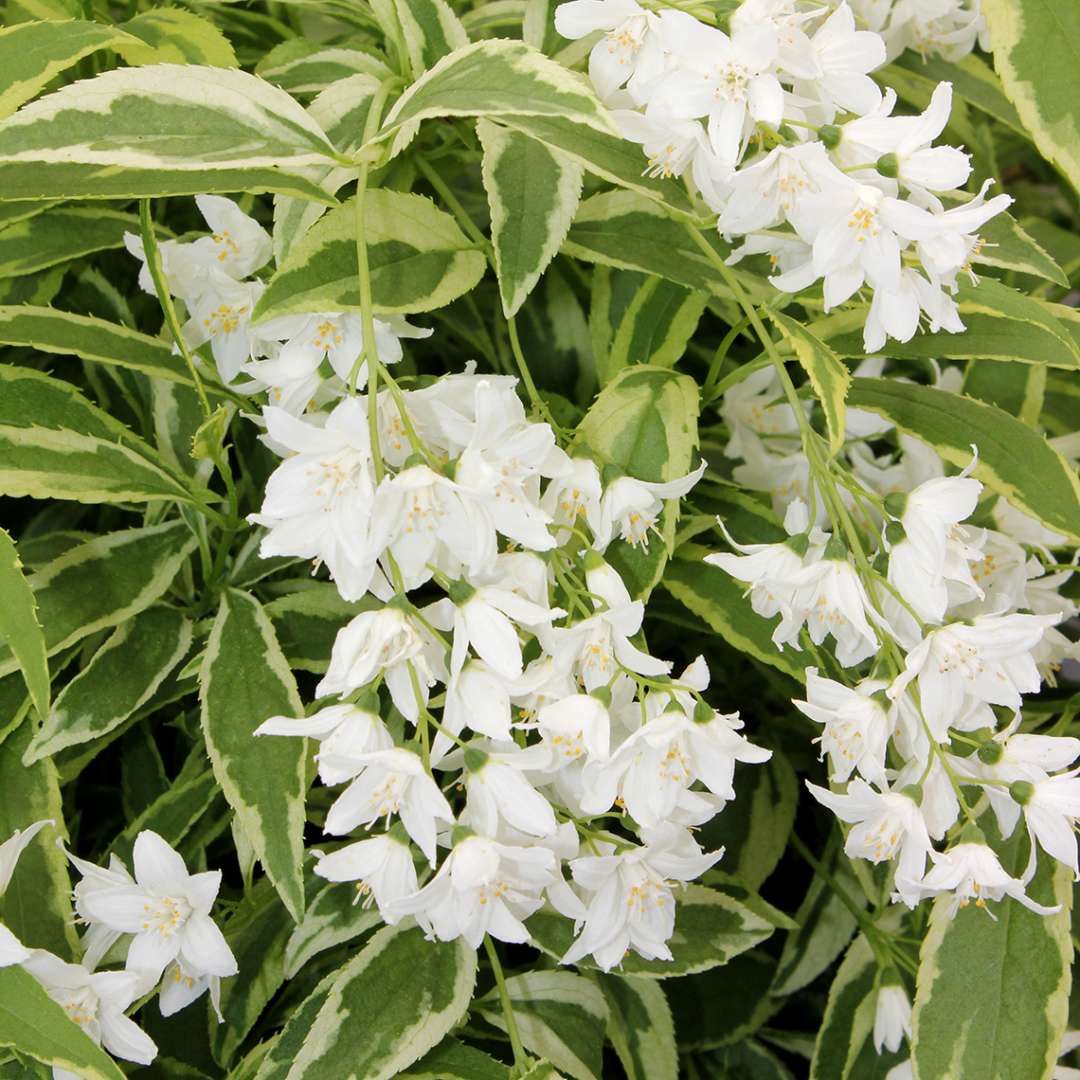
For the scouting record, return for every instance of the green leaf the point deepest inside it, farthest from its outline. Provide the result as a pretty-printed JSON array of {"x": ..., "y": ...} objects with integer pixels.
[
  {"x": 122, "y": 676},
  {"x": 395, "y": 1000},
  {"x": 1036, "y": 45},
  {"x": 453, "y": 1060},
  {"x": 419, "y": 259},
  {"x": 1017, "y": 388},
  {"x": 60, "y": 235},
  {"x": 825, "y": 928},
  {"x": 631, "y": 232},
  {"x": 333, "y": 917},
  {"x": 844, "y": 1049},
  {"x": 640, "y": 1027},
  {"x": 533, "y": 193},
  {"x": 640, "y": 319},
  {"x": 610, "y": 157},
  {"x": 169, "y": 35},
  {"x": 54, "y": 443},
  {"x": 498, "y": 77},
  {"x": 165, "y": 118},
  {"x": 36, "y": 906},
  {"x": 19, "y": 625},
  {"x": 1014, "y": 461},
  {"x": 431, "y": 31},
  {"x": 755, "y": 829},
  {"x": 748, "y": 1060},
  {"x": 103, "y": 582},
  {"x": 645, "y": 421},
  {"x": 32, "y": 54},
  {"x": 828, "y": 376},
  {"x": 256, "y": 932},
  {"x": 1002, "y": 324},
  {"x": 284, "y": 1048},
  {"x": 1006, "y": 245},
  {"x": 720, "y": 601},
  {"x": 711, "y": 927},
  {"x": 993, "y": 996},
  {"x": 560, "y": 1016},
  {"x": 49, "y": 330},
  {"x": 32, "y": 1023},
  {"x": 244, "y": 679}
]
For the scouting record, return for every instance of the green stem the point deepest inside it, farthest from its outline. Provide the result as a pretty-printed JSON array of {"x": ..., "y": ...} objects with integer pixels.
[
  {"x": 520, "y": 1057},
  {"x": 157, "y": 275}
]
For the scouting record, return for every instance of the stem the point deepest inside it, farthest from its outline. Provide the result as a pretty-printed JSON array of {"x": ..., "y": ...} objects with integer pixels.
[
  {"x": 526, "y": 377},
  {"x": 520, "y": 1057},
  {"x": 157, "y": 275}
]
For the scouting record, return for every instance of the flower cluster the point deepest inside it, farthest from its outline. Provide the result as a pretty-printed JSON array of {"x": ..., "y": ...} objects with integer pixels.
[
  {"x": 493, "y": 697},
  {"x": 793, "y": 145},
  {"x": 938, "y": 627},
  {"x": 160, "y": 917}
]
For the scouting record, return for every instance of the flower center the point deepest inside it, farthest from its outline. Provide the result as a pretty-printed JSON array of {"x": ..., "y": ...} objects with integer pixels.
[{"x": 165, "y": 915}]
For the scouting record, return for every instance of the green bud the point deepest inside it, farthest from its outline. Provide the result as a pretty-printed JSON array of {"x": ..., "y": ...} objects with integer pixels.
[
  {"x": 971, "y": 834},
  {"x": 415, "y": 458},
  {"x": 460, "y": 592},
  {"x": 990, "y": 753},
  {"x": 459, "y": 833},
  {"x": 889, "y": 165},
  {"x": 800, "y": 544},
  {"x": 913, "y": 792},
  {"x": 603, "y": 695},
  {"x": 894, "y": 533},
  {"x": 1021, "y": 792},
  {"x": 889, "y": 976},
  {"x": 896, "y": 503},
  {"x": 475, "y": 759},
  {"x": 830, "y": 135},
  {"x": 882, "y": 700},
  {"x": 787, "y": 132},
  {"x": 703, "y": 712},
  {"x": 836, "y": 549}
]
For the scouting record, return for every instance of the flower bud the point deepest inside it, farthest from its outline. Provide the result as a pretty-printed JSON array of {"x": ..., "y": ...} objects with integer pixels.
[
  {"x": 894, "y": 534},
  {"x": 896, "y": 503},
  {"x": 800, "y": 544},
  {"x": 914, "y": 792},
  {"x": 889, "y": 165},
  {"x": 460, "y": 592},
  {"x": 830, "y": 135},
  {"x": 703, "y": 712},
  {"x": 991, "y": 752},
  {"x": 475, "y": 759},
  {"x": 1021, "y": 792},
  {"x": 603, "y": 695},
  {"x": 836, "y": 549}
]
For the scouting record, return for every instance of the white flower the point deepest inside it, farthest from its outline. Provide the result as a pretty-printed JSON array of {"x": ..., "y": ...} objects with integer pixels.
[
  {"x": 892, "y": 1015},
  {"x": 166, "y": 909},
  {"x": 895, "y": 312},
  {"x": 830, "y": 598},
  {"x": 1051, "y": 810},
  {"x": 631, "y": 507},
  {"x": 885, "y": 824},
  {"x": 730, "y": 80},
  {"x": 344, "y": 732},
  {"x": 180, "y": 987},
  {"x": 935, "y": 549},
  {"x": 835, "y": 67},
  {"x": 856, "y": 725},
  {"x": 434, "y": 522},
  {"x": 382, "y": 866},
  {"x": 949, "y": 245},
  {"x": 632, "y": 905},
  {"x": 318, "y": 502},
  {"x": 12, "y": 950},
  {"x": 773, "y": 190},
  {"x": 570, "y": 498},
  {"x": 483, "y": 887},
  {"x": 14, "y": 846},
  {"x": 664, "y": 757},
  {"x": 576, "y": 728},
  {"x": 498, "y": 791},
  {"x": 390, "y": 641},
  {"x": 478, "y": 699},
  {"x": 971, "y": 871},
  {"x": 96, "y": 1002},
  {"x": 629, "y": 53},
  {"x": 392, "y": 781},
  {"x": 988, "y": 661},
  {"x": 221, "y": 315}
]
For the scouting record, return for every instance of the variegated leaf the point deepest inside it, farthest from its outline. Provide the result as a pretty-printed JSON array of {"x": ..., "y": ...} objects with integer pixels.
[
  {"x": 640, "y": 1027},
  {"x": 533, "y": 193},
  {"x": 431, "y": 31},
  {"x": 245, "y": 679},
  {"x": 1014, "y": 461},
  {"x": 395, "y": 1000},
  {"x": 332, "y": 917},
  {"x": 103, "y": 582},
  {"x": 169, "y": 35},
  {"x": 560, "y": 1016},
  {"x": 418, "y": 257},
  {"x": 497, "y": 77},
  {"x": 305, "y": 67},
  {"x": 19, "y": 626},
  {"x": 122, "y": 676},
  {"x": 60, "y": 235}
]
